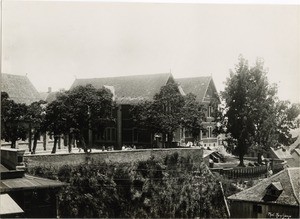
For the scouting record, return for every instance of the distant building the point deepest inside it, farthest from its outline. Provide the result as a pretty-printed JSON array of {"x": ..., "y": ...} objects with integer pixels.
[
  {"x": 131, "y": 90},
  {"x": 274, "y": 197},
  {"x": 19, "y": 88},
  {"x": 206, "y": 94},
  {"x": 24, "y": 195}
]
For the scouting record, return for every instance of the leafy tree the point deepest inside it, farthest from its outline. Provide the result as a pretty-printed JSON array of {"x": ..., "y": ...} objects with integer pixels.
[
  {"x": 35, "y": 117},
  {"x": 89, "y": 109},
  {"x": 255, "y": 118},
  {"x": 168, "y": 111},
  {"x": 192, "y": 115},
  {"x": 56, "y": 120},
  {"x": 13, "y": 121},
  {"x": 82, "y": 109}
]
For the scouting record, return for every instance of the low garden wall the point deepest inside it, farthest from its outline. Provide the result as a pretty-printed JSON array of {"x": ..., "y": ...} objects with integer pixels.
[{"x": 110, "y": 156}]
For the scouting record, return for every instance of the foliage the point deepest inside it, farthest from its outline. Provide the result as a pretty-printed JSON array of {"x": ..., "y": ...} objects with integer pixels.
[
  {"x": 35, "y": 117},
  {"x": 81, "y": 109},
  {"x": 169, "y": 111},
  {"x": 255, "y": 118},
  {"x": 13, "y": 121},
  {"x": 192, "y": 115},
  {"x": 175, "y": 187}
]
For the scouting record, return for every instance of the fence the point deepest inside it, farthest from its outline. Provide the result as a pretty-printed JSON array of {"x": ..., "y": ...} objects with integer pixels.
[{"x": 242, "y": 172}]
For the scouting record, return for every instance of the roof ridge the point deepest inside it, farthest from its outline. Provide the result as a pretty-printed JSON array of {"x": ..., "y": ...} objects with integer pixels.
[
  {"x": 293, "y": 188},
  {"x": 14, "y": 75},
  {"x": 194, "y": 77},
  {"x": 124, "y": 76}
]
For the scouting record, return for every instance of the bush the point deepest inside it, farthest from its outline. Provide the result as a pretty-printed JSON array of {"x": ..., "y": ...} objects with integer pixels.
[{"x": 177, "y": 187}]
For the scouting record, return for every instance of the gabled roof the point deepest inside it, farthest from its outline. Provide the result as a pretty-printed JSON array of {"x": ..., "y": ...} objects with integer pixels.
[
  {"x": 276, "y": 185},
  {"x": 129, "y": 89},
  {"x": 290, "y": 181},
  {"x": 196, "y": 85},
  {"x": 19, "y": 88}
]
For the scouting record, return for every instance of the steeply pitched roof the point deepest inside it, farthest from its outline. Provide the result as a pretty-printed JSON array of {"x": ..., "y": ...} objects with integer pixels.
[
  {"x": 197, "y": 86},
  {"x": 19, "y": 88},
  {"x": 129, "y": 89},
  {"x": 290, "y": 181}
]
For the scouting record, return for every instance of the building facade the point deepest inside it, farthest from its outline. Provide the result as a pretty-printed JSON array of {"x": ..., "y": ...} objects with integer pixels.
[{"x": 130, "y": 90}]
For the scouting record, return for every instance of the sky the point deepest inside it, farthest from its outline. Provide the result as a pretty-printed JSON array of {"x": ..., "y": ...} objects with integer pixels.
[{"x": 54, "y": 42}]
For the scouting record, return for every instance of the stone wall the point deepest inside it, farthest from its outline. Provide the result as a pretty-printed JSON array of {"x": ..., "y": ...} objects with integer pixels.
[{"x": 58, "y": 160}]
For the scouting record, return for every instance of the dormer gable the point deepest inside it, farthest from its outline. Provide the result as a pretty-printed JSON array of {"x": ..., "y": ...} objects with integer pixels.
[{"x": 273, "y": 191}]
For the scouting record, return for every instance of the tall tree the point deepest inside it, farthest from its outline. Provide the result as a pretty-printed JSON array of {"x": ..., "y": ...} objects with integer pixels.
[
  {"x": 163, "y": 114},
  {"x": 13, "y": 121},
  {"x": 192, "y": 115},
  {"x": 35, "y": 117},
  {"x": 253, "y": 111},
  {"x": 83, "y": 109},
  {"x": 56, "y": 120}
]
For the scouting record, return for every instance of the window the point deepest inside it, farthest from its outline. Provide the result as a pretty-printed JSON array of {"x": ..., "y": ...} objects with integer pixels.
[
  {"x": 210, "y": 111},
  {"x": 209, "y": 131},
  {"x": 109, "y": 134}
]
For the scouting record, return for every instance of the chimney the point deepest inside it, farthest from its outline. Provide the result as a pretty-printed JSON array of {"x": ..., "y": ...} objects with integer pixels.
[{"x": 49, "y": 89}]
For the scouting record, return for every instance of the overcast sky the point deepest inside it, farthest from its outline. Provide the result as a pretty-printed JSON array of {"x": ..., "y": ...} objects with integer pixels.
[{"x": 54, "y": 42}]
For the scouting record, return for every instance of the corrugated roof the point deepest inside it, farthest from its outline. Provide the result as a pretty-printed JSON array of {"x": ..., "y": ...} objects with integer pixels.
[
  {"x": 129, "y": 89},
  {"x": 197, "y": 86},
  {"x": 19, "y": 88},
  {"x": 9, "y": 206},
  {"x": 28, "y": 182},
  {"x": 289, "y": 179}
]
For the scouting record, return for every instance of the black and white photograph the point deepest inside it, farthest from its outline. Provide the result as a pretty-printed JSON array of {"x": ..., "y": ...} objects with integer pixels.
[{"x": 150, "y": 109}]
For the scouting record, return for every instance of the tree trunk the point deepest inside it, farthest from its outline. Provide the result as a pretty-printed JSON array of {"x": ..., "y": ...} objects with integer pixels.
[
  {"x": 54, "y": 145},
  {"x": 163, "y": 140},
  {"x": 29, "y": 138},
  {"x": 35, "y": 138},
  {"x": 170, "y": 139},
  {"x": 67, "y": 142},
  {"x": 82, "y": 143},
  {"x": 13, "y": 144},
  {"x": 45, "y": 141},
  {"x": 241, "y": 158},
  {"x": 259, "y": 160},
  {"x": 59, "y": 142}
]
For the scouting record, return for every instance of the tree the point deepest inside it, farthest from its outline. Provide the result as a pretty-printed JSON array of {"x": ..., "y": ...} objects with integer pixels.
[
  {"x": 254, "y": 115},
  {"x": 163, "y": 114},
  {"x": 83, "y": 109},
  {"x": 35, "y": 117},
  {"x": 169, "y": 111},
  {"x": 13, "y": 121},
  {"x": 192, "y": 115},
  {"x": 56, "y": 120}
]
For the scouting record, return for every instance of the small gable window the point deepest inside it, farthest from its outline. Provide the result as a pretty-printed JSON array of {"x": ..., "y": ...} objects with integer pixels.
[{"x": 273, "y": 191}]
